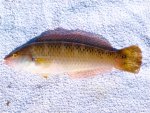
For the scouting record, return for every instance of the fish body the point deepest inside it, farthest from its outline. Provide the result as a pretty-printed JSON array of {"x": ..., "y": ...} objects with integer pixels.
[{"x": 57, "y": 53}]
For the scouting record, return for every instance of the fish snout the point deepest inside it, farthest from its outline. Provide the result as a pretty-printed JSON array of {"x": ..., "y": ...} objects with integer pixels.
[{"x": 7, "y": 61}]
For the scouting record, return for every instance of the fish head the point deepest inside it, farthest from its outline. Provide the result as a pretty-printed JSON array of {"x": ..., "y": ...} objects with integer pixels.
[{"x": 17, "y": 58}]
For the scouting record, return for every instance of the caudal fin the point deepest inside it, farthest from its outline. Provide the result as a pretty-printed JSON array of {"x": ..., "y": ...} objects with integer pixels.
[{"x": 130, "y": 59}]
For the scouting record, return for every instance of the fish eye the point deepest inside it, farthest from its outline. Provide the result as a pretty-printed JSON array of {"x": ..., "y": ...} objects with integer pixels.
[
  {"x": 33, "y": 59},
  {"x": 14, "y": 55}
]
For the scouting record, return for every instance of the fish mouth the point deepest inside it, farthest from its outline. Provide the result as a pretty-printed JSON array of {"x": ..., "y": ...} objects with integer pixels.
[
  {"x": 7, "y": 56},
  {"x": 7, "y": 62},
  {"x": 6, "y": 59}
]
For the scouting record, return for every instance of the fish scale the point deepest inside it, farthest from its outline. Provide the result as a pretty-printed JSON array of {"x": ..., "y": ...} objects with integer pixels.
[{"x": 68, "y": 50}]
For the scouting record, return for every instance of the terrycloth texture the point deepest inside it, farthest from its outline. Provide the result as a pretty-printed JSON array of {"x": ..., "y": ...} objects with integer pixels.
[{"x": 122, "y": 22}]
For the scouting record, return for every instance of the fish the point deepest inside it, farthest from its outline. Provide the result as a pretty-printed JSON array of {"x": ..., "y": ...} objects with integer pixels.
[{"x": 76, "y": 53}]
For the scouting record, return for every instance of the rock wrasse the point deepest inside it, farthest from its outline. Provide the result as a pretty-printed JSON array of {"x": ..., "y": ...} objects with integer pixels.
[{"x": 75, "y": 52}]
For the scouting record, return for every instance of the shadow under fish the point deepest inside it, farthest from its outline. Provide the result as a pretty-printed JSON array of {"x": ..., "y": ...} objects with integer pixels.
[{"x": 75, "y": 52}]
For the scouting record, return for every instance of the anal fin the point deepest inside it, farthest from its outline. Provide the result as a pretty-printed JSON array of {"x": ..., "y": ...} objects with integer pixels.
[{"x": 87, "y": 73}]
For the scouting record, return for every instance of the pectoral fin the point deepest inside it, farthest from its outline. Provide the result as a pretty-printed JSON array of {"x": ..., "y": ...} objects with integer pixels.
[{"x": 39, "y": 60}]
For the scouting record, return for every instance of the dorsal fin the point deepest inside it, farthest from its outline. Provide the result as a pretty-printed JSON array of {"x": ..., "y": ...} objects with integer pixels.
[{"x": 74, "y": 36}]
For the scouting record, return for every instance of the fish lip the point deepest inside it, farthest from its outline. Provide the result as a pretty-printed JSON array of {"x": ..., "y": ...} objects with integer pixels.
[
  {"x": 6, "y": 60},
  {"x": 6, "y": 57}
]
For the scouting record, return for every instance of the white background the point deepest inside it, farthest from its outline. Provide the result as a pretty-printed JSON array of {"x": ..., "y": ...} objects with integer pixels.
[{"x": 122, "y": 22}]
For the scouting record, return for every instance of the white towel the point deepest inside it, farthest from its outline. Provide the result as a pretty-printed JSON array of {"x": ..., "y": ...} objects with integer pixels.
[{"x": 122, "y": 22}]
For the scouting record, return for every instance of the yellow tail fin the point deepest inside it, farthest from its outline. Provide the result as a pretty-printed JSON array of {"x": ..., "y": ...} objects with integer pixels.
[{"x": 129, "y": 59}]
